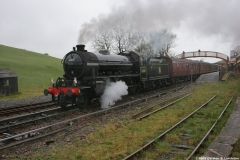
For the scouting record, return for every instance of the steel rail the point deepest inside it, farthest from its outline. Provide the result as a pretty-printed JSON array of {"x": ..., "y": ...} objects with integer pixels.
[
  {"x": 156, "y": 96},
  {"x": 9, "y": 110},
  {"x": 164, "y": 107},
  {"x": 200, "y": 143},
  {"x": 59, "y": 123},
  {"x": 164, "y": 133},
  {"x": 158, "y": 103},
  {"x": 69, "y": 120},
  {"x": 33, "y": 138},
  {"x": 27, "y": 115},
  {"x": 20, "y": 106},
  {"x": 19, "y": 120},
  {"x": 135, "y": 102}
]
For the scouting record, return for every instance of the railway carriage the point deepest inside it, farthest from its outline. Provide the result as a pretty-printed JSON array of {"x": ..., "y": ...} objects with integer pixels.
[
  {"x": 205, "y": 67},
  {"x": 208, "y": 67},
  {"x": 182, "y": 69}
]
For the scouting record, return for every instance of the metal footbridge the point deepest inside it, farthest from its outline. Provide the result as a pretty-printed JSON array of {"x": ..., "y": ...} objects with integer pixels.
[{"x": 203, "y": 54}]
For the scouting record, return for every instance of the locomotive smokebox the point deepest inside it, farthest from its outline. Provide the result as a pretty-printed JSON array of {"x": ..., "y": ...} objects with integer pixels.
[{"x": 80, "y": 47}]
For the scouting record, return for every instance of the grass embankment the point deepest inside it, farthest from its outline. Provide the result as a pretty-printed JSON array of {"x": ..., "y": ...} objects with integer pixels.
[
  {"x": 34, "y": 70},
  {"x": 117, "y": 140},
  {"x": 236, "y": 149}
]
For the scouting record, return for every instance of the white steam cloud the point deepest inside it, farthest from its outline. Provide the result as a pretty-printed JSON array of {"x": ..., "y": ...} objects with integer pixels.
[
  {"x": 204, "y": 18},
  {"x": 113, "y": 92}
]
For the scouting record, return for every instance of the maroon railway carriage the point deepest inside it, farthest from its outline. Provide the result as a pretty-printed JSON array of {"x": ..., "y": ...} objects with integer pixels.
[
  {"x": 208, "y": 67},
  {"x": 205, "y": 67},
  {"x": 182, "y": 69},
  {"x": 216, "y": 68}
]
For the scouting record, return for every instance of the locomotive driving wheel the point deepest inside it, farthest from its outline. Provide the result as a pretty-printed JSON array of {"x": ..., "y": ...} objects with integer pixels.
[
  {"x": 82, "y": 100},
  {"x": 158, "y": 84},
  {"x": 134, "y": 90},
  {"x": 61, "y": 100},
  {"x": 150, "y": 85}
]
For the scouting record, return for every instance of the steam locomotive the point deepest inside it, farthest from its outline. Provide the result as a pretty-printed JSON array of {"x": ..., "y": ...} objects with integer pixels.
[{"x": 86, "y": 74}]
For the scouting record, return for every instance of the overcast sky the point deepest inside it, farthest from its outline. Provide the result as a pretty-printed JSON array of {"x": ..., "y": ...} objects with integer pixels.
[{"x": 53, "y": 26}]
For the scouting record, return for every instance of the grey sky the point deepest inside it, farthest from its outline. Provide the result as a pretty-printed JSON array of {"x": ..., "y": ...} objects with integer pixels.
[{"x": 53, "y": 26}]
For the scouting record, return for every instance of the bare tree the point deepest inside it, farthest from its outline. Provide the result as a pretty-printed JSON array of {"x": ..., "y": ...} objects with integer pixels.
[
  {"x": 120, "y": 33},
  {"x": 103, "y": 38},
  {"x": 157, "y": 43},
  {"x": 143, "y": 46},
  {"x": 117, "y": 34},
  {"x": 162, "y": 41},
  {"x": 124, "y": 32}
]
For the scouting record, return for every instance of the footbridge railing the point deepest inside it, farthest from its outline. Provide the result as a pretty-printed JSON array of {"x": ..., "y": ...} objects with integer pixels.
[{"x": 204, "y": 54}]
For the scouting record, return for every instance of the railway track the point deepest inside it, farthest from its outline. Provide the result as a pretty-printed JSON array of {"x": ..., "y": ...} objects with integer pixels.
[
  {"x": 7, "y": 111},
  {"x": 16, "y": 139},
  {"x": 209, "y": 131},
  {"x": 166, "y": 101},
  {"x": 9, "y": 123},
  {"x": 17, "y": 121},
  {"x": 174, "y": 127}
]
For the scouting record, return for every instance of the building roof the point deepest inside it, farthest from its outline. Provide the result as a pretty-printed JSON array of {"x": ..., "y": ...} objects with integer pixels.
[{"x": 5, "y": 73}]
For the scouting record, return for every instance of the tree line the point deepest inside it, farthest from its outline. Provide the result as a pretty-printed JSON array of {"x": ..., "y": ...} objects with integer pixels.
[{"x": 122, "y": 33}]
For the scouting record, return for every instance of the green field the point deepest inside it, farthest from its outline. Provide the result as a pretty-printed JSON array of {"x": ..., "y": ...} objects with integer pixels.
[{"x": 34, "y": 70}]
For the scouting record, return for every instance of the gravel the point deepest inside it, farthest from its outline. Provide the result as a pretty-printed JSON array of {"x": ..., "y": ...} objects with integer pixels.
[{"x": 22, "y": 102}]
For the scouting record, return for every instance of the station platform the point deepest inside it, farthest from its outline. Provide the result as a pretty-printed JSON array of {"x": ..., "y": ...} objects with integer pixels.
[
  {"x": 209, "y": 77},
  {"x": 222, "y": 145}
]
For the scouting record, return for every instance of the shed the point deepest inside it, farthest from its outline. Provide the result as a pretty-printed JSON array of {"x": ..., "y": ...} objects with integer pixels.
[{"x": 8, "y": 82}]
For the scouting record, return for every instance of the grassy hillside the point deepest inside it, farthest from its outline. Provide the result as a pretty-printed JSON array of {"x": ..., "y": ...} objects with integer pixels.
[{"x": 34, "y": 70}]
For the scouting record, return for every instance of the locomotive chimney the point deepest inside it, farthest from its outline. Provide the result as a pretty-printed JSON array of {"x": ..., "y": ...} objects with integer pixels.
[{"x": 80, "y": 47}]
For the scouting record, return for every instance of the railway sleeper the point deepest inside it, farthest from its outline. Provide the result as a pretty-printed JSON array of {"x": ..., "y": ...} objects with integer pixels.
[
  {"x": 179, "y": 152},
  {"x": 182, "y": 146}
]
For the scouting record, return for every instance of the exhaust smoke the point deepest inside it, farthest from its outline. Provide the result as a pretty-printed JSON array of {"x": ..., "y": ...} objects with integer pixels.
[{"x": 112, "y": 93}]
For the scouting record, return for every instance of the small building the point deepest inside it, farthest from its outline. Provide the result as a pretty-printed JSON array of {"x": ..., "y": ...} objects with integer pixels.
[{"x": 8, "y": 82}]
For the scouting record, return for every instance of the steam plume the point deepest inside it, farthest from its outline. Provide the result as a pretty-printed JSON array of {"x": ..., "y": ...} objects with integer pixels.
[
  {"x": 217, "y": 18},
  {"x": 113, "y": 92}
]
